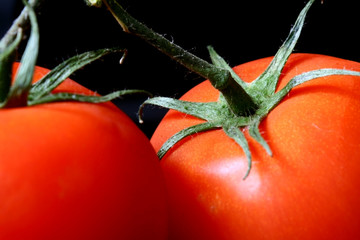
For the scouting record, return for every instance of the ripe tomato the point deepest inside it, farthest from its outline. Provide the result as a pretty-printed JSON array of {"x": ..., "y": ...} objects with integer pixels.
[
  {"x": 309, "y": 189},
  {"x": 74, "y": 170}
]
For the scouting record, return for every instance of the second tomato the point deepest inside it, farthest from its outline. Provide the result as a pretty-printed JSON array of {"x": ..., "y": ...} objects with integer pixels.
[{"x": 309, "y": 189}]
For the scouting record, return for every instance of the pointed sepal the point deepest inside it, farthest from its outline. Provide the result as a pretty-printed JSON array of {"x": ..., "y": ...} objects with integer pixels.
[
  {"x": 183, "y": 134},
  {"x": 238, "y": 136},
  {"x": 56, "y": 76},
  {"x": 65, "y": 96},
  {"x": 302, "y": 78},
  {"x": 255, "y": 134},
  {"x": 220, "y": 62},
  {"x": 206, "y": 111},
  {"x": 266, "y": 83}
]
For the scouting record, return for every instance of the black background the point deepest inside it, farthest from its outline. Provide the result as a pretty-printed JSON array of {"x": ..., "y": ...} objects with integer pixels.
[{"x": 240, "y": 31}]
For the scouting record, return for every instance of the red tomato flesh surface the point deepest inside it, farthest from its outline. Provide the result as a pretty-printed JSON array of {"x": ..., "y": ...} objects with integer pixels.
[
  {"x": 78, "y": 171},
  {"x": 309, "y": 189}
]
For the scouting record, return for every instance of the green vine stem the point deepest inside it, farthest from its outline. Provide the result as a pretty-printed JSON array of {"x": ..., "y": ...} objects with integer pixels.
[
  {"x": 237, "y": 98},
  {"x": 18, "y": 93},
  {"x": 20, "y": 23},
  {"x": 244, "y": 105}
]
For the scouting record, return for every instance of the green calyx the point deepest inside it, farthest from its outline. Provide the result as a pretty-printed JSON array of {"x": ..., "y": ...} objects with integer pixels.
[
  {"x": 23, "y": 92},
  {"x": 240, "y": 105}
]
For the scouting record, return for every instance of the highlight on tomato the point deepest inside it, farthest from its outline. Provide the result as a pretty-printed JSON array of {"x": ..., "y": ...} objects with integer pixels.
[
  {"x": 266, "y": 150},
  {"x": 70, "y": 168}
]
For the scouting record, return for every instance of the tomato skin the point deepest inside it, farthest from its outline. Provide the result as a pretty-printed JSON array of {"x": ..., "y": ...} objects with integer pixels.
[
  {"x": 309, "y": 189},
  {"x": 78, "y": 171}
]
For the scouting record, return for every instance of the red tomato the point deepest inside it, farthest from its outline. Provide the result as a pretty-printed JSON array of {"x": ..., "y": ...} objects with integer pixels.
[
  {"x": 78, "y": 171},
  {"x": 309, "y": 189}
]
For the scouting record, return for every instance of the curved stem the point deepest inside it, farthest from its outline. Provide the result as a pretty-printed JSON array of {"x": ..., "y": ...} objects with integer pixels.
[
  {"x": 22, "y": 21},
  {"x": 194, "y": 63},
  {"x": 8, "y": 47},
  {"x": 6, "y": 61},
  {"x": 19, "y": 91},
  {"x": 238, "y": 100}
]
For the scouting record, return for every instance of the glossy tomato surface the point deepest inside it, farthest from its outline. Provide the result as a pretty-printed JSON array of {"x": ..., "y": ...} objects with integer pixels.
[
  {"x": 78, "y": 171},
  {"x": 309, "y": 189}
]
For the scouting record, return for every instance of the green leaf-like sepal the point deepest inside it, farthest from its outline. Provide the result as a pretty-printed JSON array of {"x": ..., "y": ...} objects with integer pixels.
[
  {"x": 220, "y": 62},
  {"x": 183, "y": 134},
  {"x": 205, "y": 111},
  {"x": 56, "y": 76},
  {"x": 266, "y": 83},
  {"x": 64, "y": 96},
  {"x": 302, "y": 78},
  {"x": 238, "y": 136},
  {"x": 255, "y": 134},
  {"x": 41, "y": 91}
]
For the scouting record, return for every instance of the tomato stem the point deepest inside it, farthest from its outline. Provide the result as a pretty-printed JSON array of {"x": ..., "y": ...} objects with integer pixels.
[
  {"x": 21, "y": 22},
  {"x": 9, "y": 44},
  {"x": 6, "y": 60},
  {"x": 220, "y": 114},
  {"x": 237, "y": 98},
  {"x": 18, "y": 93}
]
